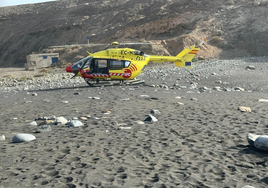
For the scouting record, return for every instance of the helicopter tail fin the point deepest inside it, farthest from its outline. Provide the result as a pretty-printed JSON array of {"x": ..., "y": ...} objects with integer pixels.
[{"x": 186, "y": 57}]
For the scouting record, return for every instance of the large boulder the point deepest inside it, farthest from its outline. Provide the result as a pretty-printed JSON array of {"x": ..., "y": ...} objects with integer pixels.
[
  {"x": 251, "y": 139},
  {"x": 23, "y": 138},
  {"x": 261, "y": 142}
]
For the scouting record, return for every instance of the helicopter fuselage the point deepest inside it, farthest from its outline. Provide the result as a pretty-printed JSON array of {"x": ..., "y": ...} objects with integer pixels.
[
  {"x": 111, "y": 64},
  {"x": 124, "y": 63}
]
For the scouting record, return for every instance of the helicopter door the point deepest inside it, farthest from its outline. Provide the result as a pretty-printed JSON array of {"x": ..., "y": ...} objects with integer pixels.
[{"x": 99, "y": 66}]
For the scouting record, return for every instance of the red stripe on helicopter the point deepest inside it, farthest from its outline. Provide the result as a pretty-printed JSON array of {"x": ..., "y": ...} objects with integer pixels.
[
  {"x": 116, "y": 74},
  {"x": 134, "y": 67},
  {"x": 193, "y": 52}
]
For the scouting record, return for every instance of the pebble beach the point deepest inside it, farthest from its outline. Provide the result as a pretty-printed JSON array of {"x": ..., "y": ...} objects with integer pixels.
[{"x": 181, "y": 128}]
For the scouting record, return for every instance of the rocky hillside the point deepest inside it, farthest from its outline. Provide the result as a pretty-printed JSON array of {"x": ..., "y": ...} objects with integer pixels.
[{"x": 234, "y": 28}]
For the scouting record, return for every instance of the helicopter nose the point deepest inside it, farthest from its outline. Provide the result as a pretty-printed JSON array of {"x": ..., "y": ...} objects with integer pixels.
[{"x": 68, "y": 69}]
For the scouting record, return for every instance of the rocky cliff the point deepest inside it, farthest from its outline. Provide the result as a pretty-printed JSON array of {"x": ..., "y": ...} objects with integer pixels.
[{"x": 234, "y": 28}]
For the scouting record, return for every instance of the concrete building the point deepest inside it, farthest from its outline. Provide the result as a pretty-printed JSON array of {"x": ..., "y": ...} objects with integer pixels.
[{"x": 41, "y": 60}]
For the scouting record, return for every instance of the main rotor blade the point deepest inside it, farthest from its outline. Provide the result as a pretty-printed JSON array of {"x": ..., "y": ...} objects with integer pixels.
[
  {"x": 76, "y": 45},
  {"x": 134, "y": 43}
]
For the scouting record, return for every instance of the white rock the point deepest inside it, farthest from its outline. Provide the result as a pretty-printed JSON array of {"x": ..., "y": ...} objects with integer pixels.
[
  {"x": 263, "y": 100},
  {"x": 33, "y": 123},
  {"x": 155, "y": 112},
  {"x": 178, "y": 97},
  {"x": 61, "y": 120},
  {"x": 144, "y": 96},
  {"x": 140, "y": 122},
  {"x": 75, "y": 123},
  {"x": 23, "y": 138},
  {"x": 125, "y": 128},
  {"x": 96, "y": 98},
  {"x": 126, "y": 99},
  {"x": 251, "y": 138},
  {"x": 151, "y": 118},
  {"x": 247, "y": 186},
  {"x": 180, "y": 103},
  {"x": 261, "y": 142},
  {"x": 2, "y": 138},
  {"x": 244, "y": 109}
]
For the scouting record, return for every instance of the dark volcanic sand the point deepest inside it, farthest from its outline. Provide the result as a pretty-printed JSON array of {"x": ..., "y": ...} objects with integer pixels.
[{"x": 199, "y": 144}]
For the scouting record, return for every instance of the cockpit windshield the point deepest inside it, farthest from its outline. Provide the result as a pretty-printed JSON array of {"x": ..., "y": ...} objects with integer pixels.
[{"x": 81, "y": 63}]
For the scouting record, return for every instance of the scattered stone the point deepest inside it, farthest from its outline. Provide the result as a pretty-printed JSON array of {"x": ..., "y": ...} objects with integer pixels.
[
  {"x": 244, "y": 109},
  {"x": 125, "y": 128},
  {"x": 74, "y": 118},
  {"x": 193, "y": 86},
  {"x": 142, "y": 132},
  {"x": 2, "y": 138},
  {"x": 194, "y": 99},
  {"x": 126, "y": 99},
  {"x": 33, "y": 123},
  {"x": 34, "y": 94},
  {"x": 201, "y": 58},
  {"x": 114, "y": 123},
  {"x": 23, "y": 138},
  {"x": 75, "y": 123},
  {"x": 180, "y": 103},
  {"x": 43, "y": 129},
  {"x": 96, "y": 98},
  {"x": 151, "y": 118},
  {"x": 261, "y": 142},
  {"x": 239, "y": 89},
  {"x": 122, "y": 124},
  {"x": 251, "y": 139},
  {"x": 154, "y": 98},
  {"x": 218, "y": 82},
  {"x": 263, "y": 100},
  {"x": 178, "y": 97},
  {"x": 140, "y": 122},
  {"x": 225, "y": 83},
  {"x": 83, "y": 118},
  {"x": 47, "y": 122},
  {"x": 227, "y": 89},
  {"x": 61, "y": 121},
  {"x": 155, "y": 112},
  {"x": 203, "y": 89},
  {"x": 144, "y": 96},
  {"x": 46, "y": 100},
  {"x": 65, "y": 102},
  {"x": 250, "y": 67},
  {"x": 77, "y": 93},
  {"x": 247, "y": 186},
  {"x": 217, "y": 88}
]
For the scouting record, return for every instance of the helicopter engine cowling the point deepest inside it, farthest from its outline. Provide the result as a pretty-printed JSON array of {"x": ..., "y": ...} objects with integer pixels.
[{"x": 137, "y": 52}]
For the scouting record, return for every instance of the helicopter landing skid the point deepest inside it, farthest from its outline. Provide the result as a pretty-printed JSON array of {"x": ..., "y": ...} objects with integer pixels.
[{"x": 96, "y": 83}]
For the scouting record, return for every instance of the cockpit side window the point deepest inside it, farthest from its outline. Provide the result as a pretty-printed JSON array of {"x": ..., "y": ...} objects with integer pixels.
[{"x": 118, "y": 64}]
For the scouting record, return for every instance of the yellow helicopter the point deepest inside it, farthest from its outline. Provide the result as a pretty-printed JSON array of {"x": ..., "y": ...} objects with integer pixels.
[{"x": 124, "y": 63}]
